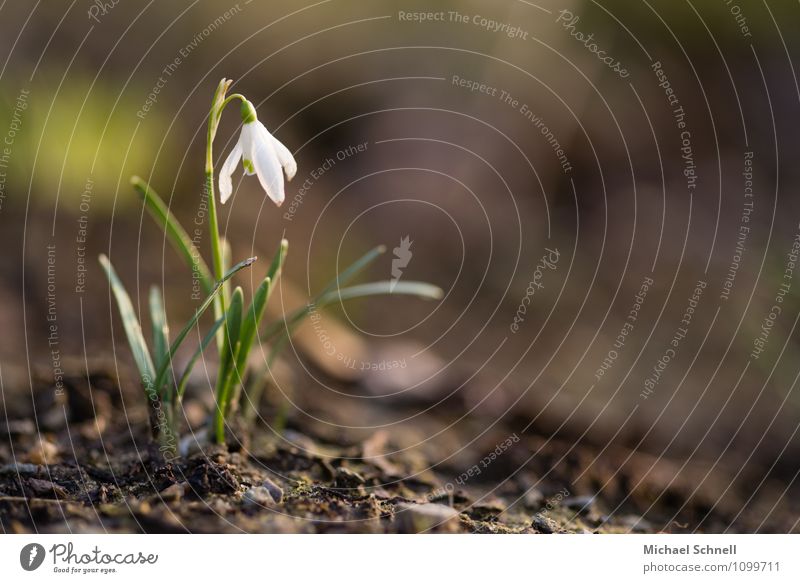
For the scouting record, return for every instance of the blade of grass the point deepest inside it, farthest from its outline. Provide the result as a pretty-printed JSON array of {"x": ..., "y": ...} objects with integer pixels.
[
  {"x": 233, "y": 328},
  {"x": 162, "y": 370},
  {"x": 158, "y": 319},
  {"x": 177, "y": 235},
  {"x": 133, "y": 330}
]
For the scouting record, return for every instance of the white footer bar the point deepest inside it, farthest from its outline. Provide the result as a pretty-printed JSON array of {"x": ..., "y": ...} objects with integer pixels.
[{"x": 400, "y": 558}]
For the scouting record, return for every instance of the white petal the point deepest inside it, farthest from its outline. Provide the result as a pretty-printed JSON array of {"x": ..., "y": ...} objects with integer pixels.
[
  {"x": 247, "y": 139},
  {"x": 267, "y": 166},
  {"x": 225, "y": 184},
  {"x": 285, "y": 157}
]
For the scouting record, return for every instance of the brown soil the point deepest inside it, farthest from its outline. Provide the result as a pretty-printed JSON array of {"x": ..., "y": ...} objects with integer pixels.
[{"x": 85, "y": 467}]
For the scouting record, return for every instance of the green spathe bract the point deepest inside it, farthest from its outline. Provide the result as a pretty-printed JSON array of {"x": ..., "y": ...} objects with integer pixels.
[{"x": 237, "y": 325}]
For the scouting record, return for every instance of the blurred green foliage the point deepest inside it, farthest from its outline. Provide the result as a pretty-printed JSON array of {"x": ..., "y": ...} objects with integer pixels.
[{"x": 77, "y": 133}]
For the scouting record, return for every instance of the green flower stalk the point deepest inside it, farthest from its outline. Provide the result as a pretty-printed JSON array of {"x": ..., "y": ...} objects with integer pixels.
[{"x": 263, "y": 155}]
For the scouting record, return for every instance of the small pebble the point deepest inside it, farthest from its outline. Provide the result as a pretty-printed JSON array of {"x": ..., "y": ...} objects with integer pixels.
[
  {"x": 534, "y": 499},
  {"x": 543, "y": 524},
  {"x": 192, "y": 443},
  {"x": 258, "y": 496},
  {"x": 414, "y": 518},
  {"x": 43, "y": 453},
  {"x": 21, "y": 469},
  {"x": 582, "y": 503},
  {"x": 348, "y": 479},
  {"x": 274, "y": 490},
  {"x": 173, "y": 492},
  {"x": 45, "y": 488}
]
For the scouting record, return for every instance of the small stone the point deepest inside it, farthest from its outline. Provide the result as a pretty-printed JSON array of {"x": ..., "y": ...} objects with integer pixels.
[
  {"x": 93, "y": 429},
  {"x": 580, "y": 503},
  {"x": 218, "y": 506},
  {"x": 192, "y": 443},
  {"x": 21, "y": 469},
  {"x": 45, "y": 488},
  {"x": 258, "y": 496},
  {"x": 415, "y": 518},
  {"x": 543, "y": 524},
  {"x": 274, "y": 490},
  {"x": 347, "y": 479},
  {"x": 43, "y": 453},
  {"x": 373, "y": 449},
  {"x": 533, "y": 499},
  {"x": 173, "y": 492},
  {"x": 302, "y": 442}
]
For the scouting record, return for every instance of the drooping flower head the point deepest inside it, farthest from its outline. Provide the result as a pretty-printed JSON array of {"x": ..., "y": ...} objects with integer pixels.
[{"x": 261, "y": 154}]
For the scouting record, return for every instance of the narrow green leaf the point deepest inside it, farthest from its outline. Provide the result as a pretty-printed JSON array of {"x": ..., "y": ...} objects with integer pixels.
[
  {"x": 278, "y": 260},
  {"x": 345, "y": 276},
  {"x": 158, "y": 319},
  {"x": 193, "y": 360},
  {"x": 227, "y": 258},
  {"x": 225, "y": 375},
  {"x": 224, "y": 298},
  {"x": 255, "y": 313},
  {"x": 233, "y": 321},
  {"x": 133, "y": 330},
  {"x": 177, "y": 235},
  {"x": 354, "y": 269},
  {"x": 247, "y": 337},
  {"x": 252, "y": 321},
  {"x": 409, "y": 288},
  {"x": 162, "y": 370},
  {"x": 413, "y": 288},
  {"x": 288, "y": 325}
]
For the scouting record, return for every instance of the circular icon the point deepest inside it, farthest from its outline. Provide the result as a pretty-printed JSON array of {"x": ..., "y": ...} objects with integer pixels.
[{"x": 31, "y": 556}]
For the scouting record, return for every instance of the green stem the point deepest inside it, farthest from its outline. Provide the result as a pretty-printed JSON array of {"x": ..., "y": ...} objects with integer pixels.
[
  {"x": 217, "y": 249},
  {"x": 222, "y": 410},
  {"x": 228, "y": 99},
  {"x": 218, "y": 105},
  {"x": 216, "y": 246}
]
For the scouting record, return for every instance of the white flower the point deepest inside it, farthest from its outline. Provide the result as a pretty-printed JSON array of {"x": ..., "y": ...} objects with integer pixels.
[{"x": 262, "y": 154}]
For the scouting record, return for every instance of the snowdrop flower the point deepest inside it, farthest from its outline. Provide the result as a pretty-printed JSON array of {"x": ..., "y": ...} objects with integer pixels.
[{"x": 261, "y": 154}]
